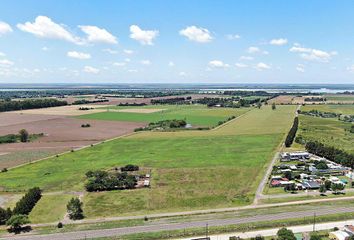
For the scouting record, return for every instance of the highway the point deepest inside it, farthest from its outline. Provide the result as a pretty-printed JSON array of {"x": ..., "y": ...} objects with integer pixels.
[{"x": 179, "y": 226}]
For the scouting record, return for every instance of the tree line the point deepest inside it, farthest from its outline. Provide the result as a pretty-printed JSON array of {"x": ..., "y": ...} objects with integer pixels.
[
  {"x": 30, "y": 104},
  {"x": 175, "y": 100},
  {"x": 331, "y": 153},
  {"x": 292, "y": 133}
]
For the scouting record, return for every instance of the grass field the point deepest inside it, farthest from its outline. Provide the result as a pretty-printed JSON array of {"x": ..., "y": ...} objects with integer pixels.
[
  {"x": 339, "y": 97},
  {"x": 198, "y": 115},
  {"x": 343, "y": 109},
  {"x": 50, "y": 208},
  {"x": 190, "y": 169},
  {"x": 327, "y": 130}
]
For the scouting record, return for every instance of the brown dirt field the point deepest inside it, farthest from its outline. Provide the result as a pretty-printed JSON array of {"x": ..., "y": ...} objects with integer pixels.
[
  {"x": 70, "y": 110},
  {"x": 60, "y": 134},
  {"x": 10, "y": 118},
  {"x": 283, "y": 99}
]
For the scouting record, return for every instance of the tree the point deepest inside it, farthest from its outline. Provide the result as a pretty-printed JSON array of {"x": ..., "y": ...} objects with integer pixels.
[
  {"x": 23, "y": 135},
  {"x": 327, "y": 184},
  {"x": 274, "y": 106},
  {"x": 323, "y": 189},
  {"x": 315, "y": 237},
  {"x": 259, "y": 105},
  {"x": 321, "y": 165},
  {"x": 337, "y": 187},
  {"x": 16, "y": 221},
  {"x": 258, "y": 237},
  {"x": 74, "y": 208},
  {"x": 4, "y": 215},
  {"x": 285, "y": 234}
]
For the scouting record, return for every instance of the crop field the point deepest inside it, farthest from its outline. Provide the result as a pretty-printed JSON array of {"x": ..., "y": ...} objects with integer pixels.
[
  {"x": 327, "y": 130},
  {"x": 197, "y": 115},
  {"x": 343, "y": 109},
  {"x": 190, "y": 169},
  {"x": 340, "y": 97}
]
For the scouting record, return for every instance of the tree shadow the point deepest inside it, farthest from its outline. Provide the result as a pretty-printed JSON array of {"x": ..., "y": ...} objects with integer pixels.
[{"x": 20, "y": 230}]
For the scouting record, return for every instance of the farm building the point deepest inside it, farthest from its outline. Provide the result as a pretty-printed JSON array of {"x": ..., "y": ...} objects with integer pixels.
[{"x": 290, "y": 156}]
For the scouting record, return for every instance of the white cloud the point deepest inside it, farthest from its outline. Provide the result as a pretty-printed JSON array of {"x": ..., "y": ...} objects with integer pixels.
[
  {"x": 45, "y": 48},
  {"x": 233, "y": 36},
  {"x": 145, "y": 62},
  {"x": 182, "y": 74},
  {"x": 300, "y": 68},
  {"x": 193, "y": 33},
  {"x": 171, "y": 64},
  {"x": 127, "y": 59},
  {"x": 241, "y": 65},
  {"x": 5, "y": 62},
  {"x": 119, "y": 64},
  {"x": 312, "y": 54},
  {"x": 78, "y": 55},
  {"x": 90, "y": 69},
  {"x": 248, "y": 58},
  {"x": 132, "y": 70},
  {"x": 253, "y": 50},
  {"x": 2, "y": 54},
  {"x": 218, "y": 64},
  {"x": 351, "y": 68},
  {"x": 262, "y": 66},
  {"x": 96, "y": 35},
  {"x": 111, "y": 51},
  {"x": 5, "y": 28},
  {"x": 44, "y": 27},
  {"x": 279, "y": 41},
  {"x": 145, "y": 37},
  {"x": 127, "y": 51}
]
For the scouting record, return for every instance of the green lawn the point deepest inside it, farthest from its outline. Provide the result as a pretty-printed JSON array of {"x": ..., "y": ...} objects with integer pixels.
[
  {"x": 198, "y": 115},
  {"x": 190, "y": 169},
  {"x": 50, "y": 208}
]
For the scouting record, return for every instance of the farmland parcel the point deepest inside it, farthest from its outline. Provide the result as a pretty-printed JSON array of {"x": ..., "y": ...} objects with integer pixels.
[{"x": 190, "y": 169}]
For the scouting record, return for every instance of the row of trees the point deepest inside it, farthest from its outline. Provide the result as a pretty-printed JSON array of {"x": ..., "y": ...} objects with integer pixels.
[
  {"x": 175, "y": 100},
  {"x": 27, "y": 202},
  {"x": 105, "y": 181},
  {"x": 292, "y": 133},
  {"x": 331, "y": 153},
  {"x": 164, "y": 124},
  {"x": 84, "y": 101},
  {"x": 30, "y": 104}
]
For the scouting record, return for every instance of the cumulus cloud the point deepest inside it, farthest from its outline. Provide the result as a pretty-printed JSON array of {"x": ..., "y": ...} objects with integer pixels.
[
  {"x": 253, "y": 50},
  {"x": 279, "y": 41},
  {"x": 6, "y": 62},
  {"x": 262, "y": 66},
  {"x": 119, "y": 64},
  {"x": 145, "y": 62},
  {"x": 5, "y": 28},
  {"x": 78, "y": 55},
  {"x": 300, "y": 68},
  {"x": 132, "y": 70},
  {"x": 145, "y": 37},
  {"x": 44, "y": 27},
  {"x": 111, "y": 51},
  {"x": 233, "y": 36},
  {"x": 241, "y": 65},
  {"x": 182, "y": 74},
  {"x": 171, "y": 64},
  {"x": 89, "y": 69},
  {"x": 218, "y": 64},
  {"x": 97, "y": 35},
  {"x": 197, "y": 34},
  {"x": 312, "y": 54},
  {"x": 2, "y": 54},
  {"x": 127, "y": 51},
  {"x": 248, "y": 58}
]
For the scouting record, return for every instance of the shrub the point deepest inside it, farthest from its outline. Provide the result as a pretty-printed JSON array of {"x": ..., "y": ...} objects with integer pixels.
[
  {"x": 74, "y": 208},
  {"x": 16, "y": 221},
  {"x": 60, "y": 225}
]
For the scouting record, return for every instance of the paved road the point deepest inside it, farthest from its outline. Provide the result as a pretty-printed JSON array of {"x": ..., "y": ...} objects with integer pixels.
[
  {"x": 273, "y": 231},
  {"x": 180, "y": 226}
]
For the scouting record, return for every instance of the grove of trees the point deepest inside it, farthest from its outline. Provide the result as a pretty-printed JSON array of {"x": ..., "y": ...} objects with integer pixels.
[
  {"x": 30, "y": 104},
  {"x": 106, "y": 181}
]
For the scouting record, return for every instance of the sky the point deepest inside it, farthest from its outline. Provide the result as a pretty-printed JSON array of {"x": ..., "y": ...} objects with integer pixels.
[{"x": 165, "y": 41}]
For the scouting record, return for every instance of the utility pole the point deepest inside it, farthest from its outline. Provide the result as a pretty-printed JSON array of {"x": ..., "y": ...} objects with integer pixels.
[
  {"x": 206, "y": 231},
  {"x": 314, "y": 221}
]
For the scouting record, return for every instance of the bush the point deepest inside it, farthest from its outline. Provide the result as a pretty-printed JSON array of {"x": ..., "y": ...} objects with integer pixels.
[
  {"x": 85, "y": 125},
  {"x": 129, "y": 168},
  {"x": 4, "y": 170},
  {"x": 16, "y": 221},
  {"x": 23, "y": 135},
  {"x": 285, "y": 234},
  {"x": 60, "y": 225},
  {"x": 4, "y": 215}
]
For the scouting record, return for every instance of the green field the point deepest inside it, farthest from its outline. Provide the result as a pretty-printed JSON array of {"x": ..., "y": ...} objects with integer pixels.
[
  {"x": 190, "y": 169},
  {"x": 330, "y": 131},
  {"x": 198, "y": 115},
  {"x": 343, "y": 109},
  {"x": 339, "y": 97}
]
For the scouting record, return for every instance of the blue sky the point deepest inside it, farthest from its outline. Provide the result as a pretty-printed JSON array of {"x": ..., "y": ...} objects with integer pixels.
[{"x": 176, "y": 41}]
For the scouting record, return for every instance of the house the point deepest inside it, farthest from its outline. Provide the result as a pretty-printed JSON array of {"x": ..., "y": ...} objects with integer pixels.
[
  {"x": 294, "y": 156},
  {"x": 339, "y": 235},
  {"x": 311, "y": 184}
]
